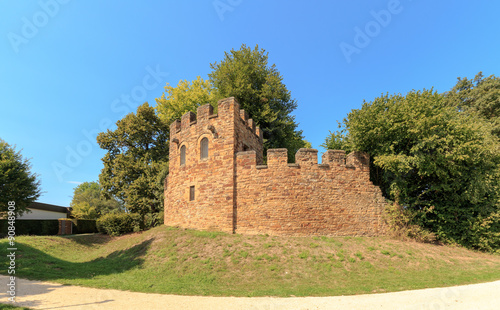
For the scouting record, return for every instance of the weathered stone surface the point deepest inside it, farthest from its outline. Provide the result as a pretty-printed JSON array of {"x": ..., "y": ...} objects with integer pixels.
[
  {"x": 213, "y": 178},
  {"x": 234, "y": 192},
  {"x": 306, "y": 199}
]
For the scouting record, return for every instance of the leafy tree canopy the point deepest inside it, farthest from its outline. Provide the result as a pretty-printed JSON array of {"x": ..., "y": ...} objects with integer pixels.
[
  {"x": 479, "y": 95},
  {"x": 136, "y": 160},
  {"x": 89, "y": 203},
  {"x": 187, "y": 96},
  {"x": 337, "y": 140},
  {"x": 246, "y": 75},
  {"x": 17, "y": 182},
  {"x": 433, "y": 160}
]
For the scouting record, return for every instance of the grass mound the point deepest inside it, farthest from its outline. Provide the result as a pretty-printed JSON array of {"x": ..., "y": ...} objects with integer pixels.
[{"x": 189, "y": 262}]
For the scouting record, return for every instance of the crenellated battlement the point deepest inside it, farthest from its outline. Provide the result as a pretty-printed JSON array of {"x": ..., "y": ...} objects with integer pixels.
[
  {"x": 306, "y": 158},
  {"x": 227, "y": 108},
  {"x": 216, "y": 181}
]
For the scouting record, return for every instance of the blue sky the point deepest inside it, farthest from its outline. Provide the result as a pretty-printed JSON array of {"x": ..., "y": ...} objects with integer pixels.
[{"x": 70, "y": 69}]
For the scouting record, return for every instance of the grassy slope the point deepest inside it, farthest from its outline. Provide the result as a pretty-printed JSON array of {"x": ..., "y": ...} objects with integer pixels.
[
  {"x": 12, "y": 307},
  {"x": 177, "y": 261}
]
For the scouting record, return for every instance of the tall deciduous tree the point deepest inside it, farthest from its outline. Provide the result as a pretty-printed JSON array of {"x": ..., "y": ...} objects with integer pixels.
[
  {"x": 17, "y": 182},
  {"x": 246, "y": 75},
  {"x": 435, "y": 161},
  {"x": 136, "y": 161},
  {"x": 89, "y": 203},
  {"x": 479, "y": 95},
  {"x": 186, "y": 96}
]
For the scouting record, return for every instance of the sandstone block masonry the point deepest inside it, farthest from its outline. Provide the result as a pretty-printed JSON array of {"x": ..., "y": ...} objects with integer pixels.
[{"x": 217, "y": 182}]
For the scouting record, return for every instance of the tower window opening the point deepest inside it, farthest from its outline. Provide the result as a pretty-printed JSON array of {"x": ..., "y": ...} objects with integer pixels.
[
  {"x": 204, "y": 148},
  {"x": 191, "y": 193},
  {"x": 183, "y": 155}
]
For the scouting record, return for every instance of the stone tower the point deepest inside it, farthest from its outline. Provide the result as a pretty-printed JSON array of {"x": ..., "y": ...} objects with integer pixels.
[
  {"x": 217, "y": 181},
  {"x": 200, "y": 191}
]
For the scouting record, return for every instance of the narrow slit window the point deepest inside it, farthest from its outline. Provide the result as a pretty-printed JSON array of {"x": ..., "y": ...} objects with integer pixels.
[
  {"x": 183, "y": 155},
  {"x": 191, "y": 193},
  {"x": 204, "y": 148}
]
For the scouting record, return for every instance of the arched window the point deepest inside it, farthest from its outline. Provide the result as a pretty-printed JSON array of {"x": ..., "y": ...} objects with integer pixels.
[
  {"x": 204, "y": 148},
  {"x": 183, "y": 155}
]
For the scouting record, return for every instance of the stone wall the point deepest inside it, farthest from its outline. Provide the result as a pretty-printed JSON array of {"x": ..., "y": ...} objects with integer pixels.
[
  {"x": 332, "y": 198},
  {"x": 233, "y": 192},
  {"x": 213, "y": 178}
]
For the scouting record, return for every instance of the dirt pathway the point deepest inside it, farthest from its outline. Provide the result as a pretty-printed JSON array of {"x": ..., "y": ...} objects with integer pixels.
[{"x": 46, "y": 295}]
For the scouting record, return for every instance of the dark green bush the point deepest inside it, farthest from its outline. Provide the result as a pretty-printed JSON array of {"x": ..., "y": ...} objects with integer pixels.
[
  {"x": 485, "y": 233},
  {"x": 153, "y": 219},
  {"x": 84, "y": 226},
  {"x": 31, "y": 227},
  {"x": 160, "y": 218},
  {"x": 116, "y": 224},
  {"x": 401, "y": 225}
]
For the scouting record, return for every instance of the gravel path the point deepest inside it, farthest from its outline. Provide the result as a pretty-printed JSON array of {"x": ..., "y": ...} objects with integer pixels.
[{"x": 46, "y": 295}]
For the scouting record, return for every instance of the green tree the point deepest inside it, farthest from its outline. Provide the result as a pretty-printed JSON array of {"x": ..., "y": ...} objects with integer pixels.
[
  {"x": 89, "y": 203},
  {"x": 246, "y": 75},
  {"x": 479, "y": 95},
  {"x": 136, "y": 161},
  {"x": 186, "y": 96},
  {"x": 84, "y": 211},
  {"x": 17, "y": 182},
  {"x": 337, "y": 140},
  {"x": 434, "y": 161}
]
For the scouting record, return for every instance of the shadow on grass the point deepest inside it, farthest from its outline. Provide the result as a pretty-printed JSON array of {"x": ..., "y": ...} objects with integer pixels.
[
  {"x": 34, "y": 264},
  {"x": 88, "y": 239}
]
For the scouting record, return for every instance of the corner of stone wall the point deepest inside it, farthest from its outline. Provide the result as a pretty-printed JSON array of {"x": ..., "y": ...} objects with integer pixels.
[
  {"x": 383, "y": 227},
  {"x": 226, "y": 103},
  {"x": 175, "y": 127}
]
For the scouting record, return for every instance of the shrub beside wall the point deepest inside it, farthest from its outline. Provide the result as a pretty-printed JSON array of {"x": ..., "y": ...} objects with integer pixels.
[
  {"x": 116, "y": 224},
  {"x": 111, "y": 224},
  {"x": 84, "y": 226},
  {"x": 31, "y": 227},
  {"x": 153, "y": 219}
]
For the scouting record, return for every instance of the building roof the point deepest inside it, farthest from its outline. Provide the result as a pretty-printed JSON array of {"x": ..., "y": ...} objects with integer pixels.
[{"x": 48, "y": 207}]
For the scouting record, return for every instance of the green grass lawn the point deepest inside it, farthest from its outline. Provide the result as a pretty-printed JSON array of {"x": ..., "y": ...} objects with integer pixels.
[
  {"x": 12, "y": 307},
  {"x": 189, "y": 262}
]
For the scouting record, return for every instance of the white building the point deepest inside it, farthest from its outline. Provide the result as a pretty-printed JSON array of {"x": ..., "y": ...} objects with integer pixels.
[{"x": 43, "y": 211}]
